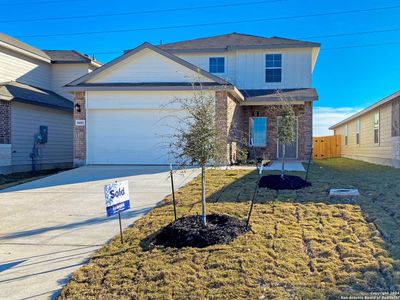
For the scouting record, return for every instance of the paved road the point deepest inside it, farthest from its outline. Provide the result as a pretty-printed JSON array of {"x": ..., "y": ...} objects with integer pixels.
[{"x": 49, "y": 227}]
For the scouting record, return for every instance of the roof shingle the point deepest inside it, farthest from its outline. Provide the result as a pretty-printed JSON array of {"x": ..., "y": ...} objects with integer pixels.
[
  {"x": 16, "y": 91},
  {"x": 236, "y": 41}
]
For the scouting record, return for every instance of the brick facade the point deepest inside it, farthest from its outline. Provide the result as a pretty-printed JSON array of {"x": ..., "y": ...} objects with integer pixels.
[
  {"x": 79, "y": 131},
  {"x": 304, "y": 117},
  {"x": 5, "y": 124},
  {"x": 229, "y": 115}
]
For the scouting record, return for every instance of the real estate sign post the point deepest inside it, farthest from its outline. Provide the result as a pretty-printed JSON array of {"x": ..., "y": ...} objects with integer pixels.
[
  {"x": 117, "y": 200},
  {"x": 173, "y": 189}
]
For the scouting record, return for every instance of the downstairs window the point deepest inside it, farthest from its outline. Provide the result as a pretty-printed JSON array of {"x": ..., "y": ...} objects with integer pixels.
[{"x": 258, "y": 132}]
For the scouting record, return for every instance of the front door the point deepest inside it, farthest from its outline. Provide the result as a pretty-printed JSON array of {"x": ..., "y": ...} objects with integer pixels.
[{"x": 291, "y": 149}]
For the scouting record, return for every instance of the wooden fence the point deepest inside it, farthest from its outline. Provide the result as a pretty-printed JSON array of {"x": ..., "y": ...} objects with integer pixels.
[{"x": 326, "y": 146}]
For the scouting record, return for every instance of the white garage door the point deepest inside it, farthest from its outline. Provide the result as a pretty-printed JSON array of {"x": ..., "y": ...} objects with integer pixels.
[{"x": 129, "y": 136}]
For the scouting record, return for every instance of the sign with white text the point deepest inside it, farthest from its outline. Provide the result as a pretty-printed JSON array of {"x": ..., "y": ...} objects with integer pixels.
[{"x": 117, "y": 197}]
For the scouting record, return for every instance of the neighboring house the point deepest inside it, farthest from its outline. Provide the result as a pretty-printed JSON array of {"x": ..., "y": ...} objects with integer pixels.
[
  {"x": 121, "y": 117},
  {"x": 373, "y": 134},
  {"x": 35, "y": 114}
]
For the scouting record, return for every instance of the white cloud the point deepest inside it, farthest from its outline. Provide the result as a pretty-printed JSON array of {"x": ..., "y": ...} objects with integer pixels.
[{"x": 325, "y": 117}]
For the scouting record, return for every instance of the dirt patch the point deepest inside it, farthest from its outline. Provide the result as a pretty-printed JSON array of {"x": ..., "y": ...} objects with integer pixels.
[
  {"x": 190, "y": 232},
  {"x": 288, "y": 182}
]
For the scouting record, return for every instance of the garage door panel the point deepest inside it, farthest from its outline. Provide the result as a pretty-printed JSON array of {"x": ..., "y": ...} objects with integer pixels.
[{"x": 130, "y": 136}]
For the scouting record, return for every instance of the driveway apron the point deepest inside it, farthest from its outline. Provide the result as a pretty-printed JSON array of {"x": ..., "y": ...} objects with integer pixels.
[{"x": 50, "y": 227}]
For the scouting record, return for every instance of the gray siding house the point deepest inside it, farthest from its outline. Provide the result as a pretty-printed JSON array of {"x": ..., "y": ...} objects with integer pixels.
[{"x": 36, "y": 120}]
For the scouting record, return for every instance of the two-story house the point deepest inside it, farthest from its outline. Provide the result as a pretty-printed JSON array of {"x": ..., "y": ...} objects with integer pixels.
[
  {"x": 35, "y": 113},
  {"x": 121, "y": 116}
]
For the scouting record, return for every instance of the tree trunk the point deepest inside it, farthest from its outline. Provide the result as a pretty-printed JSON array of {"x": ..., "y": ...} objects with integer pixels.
[
  {"x": 283, "y": 160},
  {"x": 203, "y": 195}
]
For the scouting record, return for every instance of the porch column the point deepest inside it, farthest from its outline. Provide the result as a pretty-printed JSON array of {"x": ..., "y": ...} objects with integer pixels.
[
  {"x": 79, "y": 129},
  {"x": 5, "y": 124},
  {"x": 308, "y": 129}
]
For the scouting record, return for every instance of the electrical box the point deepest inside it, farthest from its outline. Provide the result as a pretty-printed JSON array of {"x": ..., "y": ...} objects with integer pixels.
[{"x": 43, "y": 133}]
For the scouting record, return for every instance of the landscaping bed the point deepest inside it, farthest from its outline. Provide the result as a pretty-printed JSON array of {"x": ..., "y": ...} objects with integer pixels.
[
  {"x": 190, "y": 231},
  {"x": 288, "y": 182},
  {"x": 302, "y": 245}
]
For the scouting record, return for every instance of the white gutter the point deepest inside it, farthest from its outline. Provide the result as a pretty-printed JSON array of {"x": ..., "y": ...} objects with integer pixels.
[{"x": 24, "y": 52}]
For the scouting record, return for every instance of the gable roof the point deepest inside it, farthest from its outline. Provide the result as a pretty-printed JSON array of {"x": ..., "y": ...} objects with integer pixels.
[
  {"x": 81, "y": 81},
  {"x": 368, "y": 109},
  {"x": 16, "y": 91},
  {"x": 235, "y": 41},
  {"x": 22, "y": 46},
  {"x": 53, "y": 56}
]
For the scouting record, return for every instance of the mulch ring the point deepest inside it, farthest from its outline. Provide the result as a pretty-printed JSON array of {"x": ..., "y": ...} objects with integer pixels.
[
  {"x": 190, "y": 232},
  {"x": 288, "y": 182}
]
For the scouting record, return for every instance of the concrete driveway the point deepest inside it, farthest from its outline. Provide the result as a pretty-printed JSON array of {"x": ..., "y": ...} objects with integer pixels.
[{"x": 49, "y": 227}]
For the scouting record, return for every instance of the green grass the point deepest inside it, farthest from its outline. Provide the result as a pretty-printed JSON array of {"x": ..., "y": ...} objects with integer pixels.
[{"x": 302, "y": 244}]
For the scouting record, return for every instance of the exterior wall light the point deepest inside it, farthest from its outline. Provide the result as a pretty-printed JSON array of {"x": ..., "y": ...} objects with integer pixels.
[{"x": 77, "y": 108}]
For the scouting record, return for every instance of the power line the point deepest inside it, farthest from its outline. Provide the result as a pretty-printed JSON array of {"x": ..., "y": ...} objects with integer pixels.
[
  {"x": 350, "y": 33},
  {"x": 141, "y": 12},
  {"x": 323, "y": 49},
  {"x": 323, "y": 36},
  {"x": 362, "y": 46},
  {"x": 214, "y": 23},
  {"x": 37, "y": 2}
]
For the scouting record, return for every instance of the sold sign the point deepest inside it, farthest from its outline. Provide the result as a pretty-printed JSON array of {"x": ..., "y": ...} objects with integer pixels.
[{"x": 117, "y": 197}]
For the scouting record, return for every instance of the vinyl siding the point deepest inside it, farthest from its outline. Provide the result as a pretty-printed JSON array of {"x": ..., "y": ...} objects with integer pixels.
[
  {"x": 65, "y": 73},
  {"x": 246, "y": 68},
  {"x": 147, "y": 66},
  {"x": 202, "y": 61},
  {"x": 25, "y": 122},
  {"x": 296, "y": 69},
  {"x": 16, "y": 67},
  {"x": 367, "y": 149}
]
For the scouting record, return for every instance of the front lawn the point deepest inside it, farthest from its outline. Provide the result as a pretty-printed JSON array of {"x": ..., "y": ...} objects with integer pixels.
[{"x": 302, "y": 245}]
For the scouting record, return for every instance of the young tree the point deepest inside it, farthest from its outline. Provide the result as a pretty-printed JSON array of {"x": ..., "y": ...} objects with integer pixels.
[
  {"x": 286, "y": 128},
  {"x": 197, "y": 139}
]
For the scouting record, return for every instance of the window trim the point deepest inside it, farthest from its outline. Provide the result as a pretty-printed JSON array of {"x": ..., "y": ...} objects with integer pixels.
[
  {"x": 358, "y": 132},
  {"x": 377, "y": 113},
  {"x": 346, "y": 135},
  {"x": 266, "y": 132},
  {"x": 272, "y": 68},
  {"x": 209, "y": 64}
]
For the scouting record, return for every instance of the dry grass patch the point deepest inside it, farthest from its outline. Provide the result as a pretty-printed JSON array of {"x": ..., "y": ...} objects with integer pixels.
[{"x": 302, "y": 246}]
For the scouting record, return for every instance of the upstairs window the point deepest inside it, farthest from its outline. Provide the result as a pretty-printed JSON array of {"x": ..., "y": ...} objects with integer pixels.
[
  {"x": 217, "y": 65},
  {"x": 358, "y": 132},
  {"x": 346, "y": 135},
  {"x": 273, "y": 68},
  {"x": 376, "y": 128},
  {"x": 258, "y": 132}
]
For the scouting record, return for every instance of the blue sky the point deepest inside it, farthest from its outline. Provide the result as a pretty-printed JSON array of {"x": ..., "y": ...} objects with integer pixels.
[{"x": 347, "y": 79}]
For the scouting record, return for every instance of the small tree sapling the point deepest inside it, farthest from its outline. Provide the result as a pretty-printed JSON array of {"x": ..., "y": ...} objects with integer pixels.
[
  {"x": 286, "y": 129},
  {"x": 198, "y": 139}
]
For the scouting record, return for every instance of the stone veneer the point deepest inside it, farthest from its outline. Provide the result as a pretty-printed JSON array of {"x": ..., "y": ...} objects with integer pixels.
[
  {"x": 5, "y": 124},
  {"x": 304, "y": 115},
  {"x": 80, "y": 131}
]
